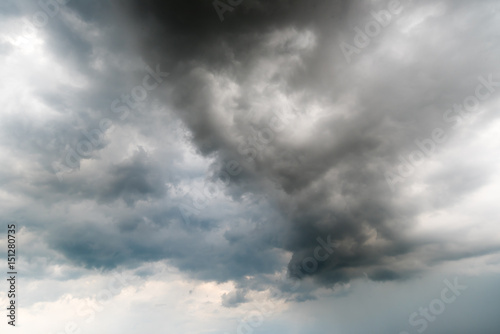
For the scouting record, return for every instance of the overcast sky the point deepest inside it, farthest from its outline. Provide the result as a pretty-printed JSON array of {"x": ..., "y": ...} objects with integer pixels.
[{"x": 251, "y": 166}]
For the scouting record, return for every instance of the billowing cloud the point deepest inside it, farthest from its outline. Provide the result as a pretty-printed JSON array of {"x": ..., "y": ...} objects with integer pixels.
[{"x": 250, "y": 144}]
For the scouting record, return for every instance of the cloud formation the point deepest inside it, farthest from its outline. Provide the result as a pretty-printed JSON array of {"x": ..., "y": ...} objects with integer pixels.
[{"x": 270, "y": 88}]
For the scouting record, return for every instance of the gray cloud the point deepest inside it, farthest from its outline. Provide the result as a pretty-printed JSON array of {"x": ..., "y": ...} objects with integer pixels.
[
  {"x": 385, "y": 108},
  {"x": 233, "y": 299},
  {"x": 320, "y": 172}
]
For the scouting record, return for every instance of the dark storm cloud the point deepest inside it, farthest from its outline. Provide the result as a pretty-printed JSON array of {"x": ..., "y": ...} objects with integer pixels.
[
  {"x": 192, "y": 37},
  {"x": 322, "y": 175},
  {"x": 155, "y": 233},
  {"x": 178, "y": 30},
  {"x": 345, "y": 159}
]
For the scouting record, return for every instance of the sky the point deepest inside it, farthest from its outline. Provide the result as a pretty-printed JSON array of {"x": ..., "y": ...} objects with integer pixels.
[{"x": 251, "y": 166}]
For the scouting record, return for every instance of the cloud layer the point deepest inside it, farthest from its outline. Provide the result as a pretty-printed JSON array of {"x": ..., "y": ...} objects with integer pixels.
[{"x": 263, "y": 137}]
